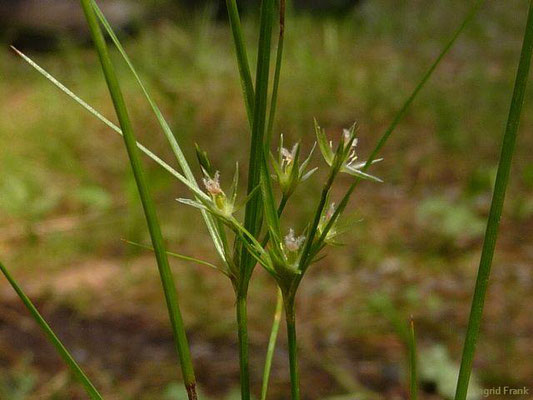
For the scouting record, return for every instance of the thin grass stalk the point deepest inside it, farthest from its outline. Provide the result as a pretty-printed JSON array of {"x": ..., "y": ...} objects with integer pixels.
[
  {"x": 180, "y": 337},
  {"x": 175, "y": 255},
  {"x": 413, "y": 368},
  {"x": 277, "y": 75},
  {"x": 274, "y": 331},
  {"x": 176, "y": 149},
  {"x": 307, "y": 251},
  {"x": 253, "y": 208},
  {"x": 76, "y": 370},
  {"x": 253, "y": 214},
  {"x": 96, "y": 114},
  {"x": 290, "y": 318},
  {"x": 498, "y": 199},
  {"x": 272, "y": 345},
  {"x": 242, "y": 326},
  {"x": 242, "y": 58}
]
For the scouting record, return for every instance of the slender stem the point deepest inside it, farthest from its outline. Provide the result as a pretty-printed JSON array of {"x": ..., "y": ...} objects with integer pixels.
[
  {"x": 242, "y": 58},
  {"x": 491, "y": 235},
  {"x": 171, "y": 297},
  {"x": 277, "y": 317},
  {"x": 307, "y": 253},
  {"x": 272, "y": 344},
  {"x": 60, "y": 348},
  {"x": 277, "y": 74},
  {"x": 283, "y": 204},
  {"x": 252, "y": 220},
  {"x": 281, "y": 207},
  {"x": 253, "y": 215},
  {"x": 413, "y": 372},
  {"x": 293, "y": 348},
  {"x": 242, "y": 323}
]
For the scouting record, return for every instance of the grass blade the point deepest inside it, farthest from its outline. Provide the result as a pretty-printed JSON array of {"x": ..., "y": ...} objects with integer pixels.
[
  {"x": 176, "y": 149},
  {"x": 413, "y": 369},
  {"x": 52, "y": 337},
  {"x": 290, "y": 319},
  {"x": 242, "y": 58},
  {"x": 491, "y": 234},
  {"x": 267, "y": 192},
  {"x": 193, "y": 187},
  {"x": 167, "y": 279},
  {"x": 272, "y": 345},
  {"x": 252, "y": 220},
  {"x": 277, "y": 75},
  {"x": 176, "y": 255},
  {"x": 253, "y": 211}
]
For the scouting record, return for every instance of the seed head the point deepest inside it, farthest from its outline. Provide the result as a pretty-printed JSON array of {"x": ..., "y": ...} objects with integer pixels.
[
  {"x": 348, "y": 136},
  {"x": 288, "y": 156},
  {"x": 293, "y": 243},
  {"x": 213, "y": 185}
]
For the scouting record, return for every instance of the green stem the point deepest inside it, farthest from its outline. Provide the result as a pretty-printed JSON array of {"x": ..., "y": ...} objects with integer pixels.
[
  {"x": 253, "y": 215},
  {"x": 491, "y": 235},
  {"x": 242, "y": 58},
  {"x": 60, "y": 348},
  {"x": 277, "y": 318},
  {"x": 242, "y": 325},
  {"x": 167, "y": 279},
  {"x": 252, "y": 220},
  {"x": 277, "y": 75},
  {"x": 413, "y": 372},
  {"x": 293, "y": 348},
  {"x": 272, "y": 344},
  {"x": 307, "y": 253}
]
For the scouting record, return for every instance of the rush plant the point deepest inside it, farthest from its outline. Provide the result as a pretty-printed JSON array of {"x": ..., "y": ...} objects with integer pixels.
[{"x": 259, "y": 235}]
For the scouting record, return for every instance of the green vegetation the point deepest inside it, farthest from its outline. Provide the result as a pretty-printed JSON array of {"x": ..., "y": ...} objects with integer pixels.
[
  {"x": 496, "y": 209},
  {"x": 72, "y": 213}
]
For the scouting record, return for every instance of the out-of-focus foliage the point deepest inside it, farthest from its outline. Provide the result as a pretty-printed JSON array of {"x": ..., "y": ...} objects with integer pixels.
[{"x": 438, "y": 369}]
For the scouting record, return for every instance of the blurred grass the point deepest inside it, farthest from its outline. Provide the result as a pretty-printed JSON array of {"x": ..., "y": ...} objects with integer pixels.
[{"x": 67, "y": 198}]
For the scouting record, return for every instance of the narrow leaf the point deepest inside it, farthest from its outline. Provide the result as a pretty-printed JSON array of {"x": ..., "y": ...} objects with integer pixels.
[
  {"x": 277, "y": 75},
  {"x": 211, "y": 226},
  {"x": 323, "y": 144},
  {"x": 175, "y": 255},
  {"x": 272, "y": 345},
  {"x": 252, "y": 219},
  {"x": 52, "y": 338},
  {"x": 167, "y": 279},
  {"x": 413, "y": 371},
  {"x": 500, "y": 188},
  {"x": 242, "y": 58},
  {"x": 110, "y": 124}
]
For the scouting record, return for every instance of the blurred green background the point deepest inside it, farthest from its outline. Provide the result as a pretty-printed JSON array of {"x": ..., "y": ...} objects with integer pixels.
[{"x": 67, "y": 198}]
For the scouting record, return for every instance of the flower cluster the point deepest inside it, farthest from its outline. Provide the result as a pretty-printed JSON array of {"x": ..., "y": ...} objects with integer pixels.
[
  {"x": 344, "y": 158},
  {"x": 288, "y": 256},
  {"x": 288, "y": 170}
]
